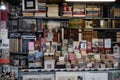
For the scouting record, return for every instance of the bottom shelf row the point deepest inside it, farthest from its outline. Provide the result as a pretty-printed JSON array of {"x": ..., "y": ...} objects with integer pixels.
[
  {"x": 72, "y": 76},
  {"x": 13, "y": 73}
]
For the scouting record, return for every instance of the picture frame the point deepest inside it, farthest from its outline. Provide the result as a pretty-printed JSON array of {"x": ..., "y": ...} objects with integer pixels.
[
  {"x": 29, "y": 5},
  {"x": 27, "y": 24}
]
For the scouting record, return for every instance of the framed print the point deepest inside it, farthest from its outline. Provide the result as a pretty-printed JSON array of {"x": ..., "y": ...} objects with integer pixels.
[
  {"x": 96, "y": 76},
  {"x": 29, "y": 5},
  {"x": 70, "y": 76},
  {"x": 42, "y": 76},
  {"x": 27, "y": 24}
]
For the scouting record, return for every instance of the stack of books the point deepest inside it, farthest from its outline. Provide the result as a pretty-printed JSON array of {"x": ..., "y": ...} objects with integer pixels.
[
  {"x": 27, "y": 13},
  {"x": 92, "y": 11},
  {"x": 67, "y": 9},
  {"x": 79, "y": 10},
  {"x": 42, "y": 10}
]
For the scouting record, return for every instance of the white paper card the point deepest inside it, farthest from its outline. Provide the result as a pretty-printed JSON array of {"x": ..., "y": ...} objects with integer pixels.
[{"x": 107, "y": 43}]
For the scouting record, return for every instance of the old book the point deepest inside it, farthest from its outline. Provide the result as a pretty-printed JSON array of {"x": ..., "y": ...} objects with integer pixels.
[{"x": 116, "y": 11}]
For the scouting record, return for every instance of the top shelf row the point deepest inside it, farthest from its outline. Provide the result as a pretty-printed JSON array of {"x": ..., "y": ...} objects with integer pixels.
[{"x": 79, "y": 10}]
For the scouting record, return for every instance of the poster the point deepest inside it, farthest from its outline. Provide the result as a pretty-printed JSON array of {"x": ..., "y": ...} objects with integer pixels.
[
  {"x": 70, "y": 76},
  {"x": 96, "y": 76}
]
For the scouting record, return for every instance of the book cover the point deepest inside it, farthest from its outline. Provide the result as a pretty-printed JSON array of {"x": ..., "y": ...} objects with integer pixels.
[
  {"x": 101, "y": 45},
  {"x": 37, "y": 44},
  {"x": 54, "y": 47},
  {"x": 107, "y": 45},
  {"x": 89, "y": 47},
  {"x": 76, "y": 45},
  {"x": 64, "y": 43},
  {"x": 49, "y": 64},
  {"x": 95, "y": 45},
  {"x": 31, "y": 45},
  {"x": 31, "y": 57},
  {"x": 83, "y": 45},
  {"x": 23, "y": 62},
  {"x": 72, "y": 56},
  {"x": 39, "y": 56}
]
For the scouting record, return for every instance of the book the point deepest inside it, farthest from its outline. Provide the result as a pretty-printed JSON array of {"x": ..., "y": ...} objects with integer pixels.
[
  {"x": 39, "y": 56},
  {"x": 37, "y": 44},
  {"x": 76, "y": 23},
  {"x": 89, "y": 47},
  {"x": 95, "y": 45},
  {"x": 116, "y": 11},
  {"x": 31, "y": 57},
  {"x": 41, "y": 9},
  {"x": 54, "y": 47},
  {"x": 49, "y": 64},
  {"x": 31, "y": 46},
  {"x": 83, "y": 45}
]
